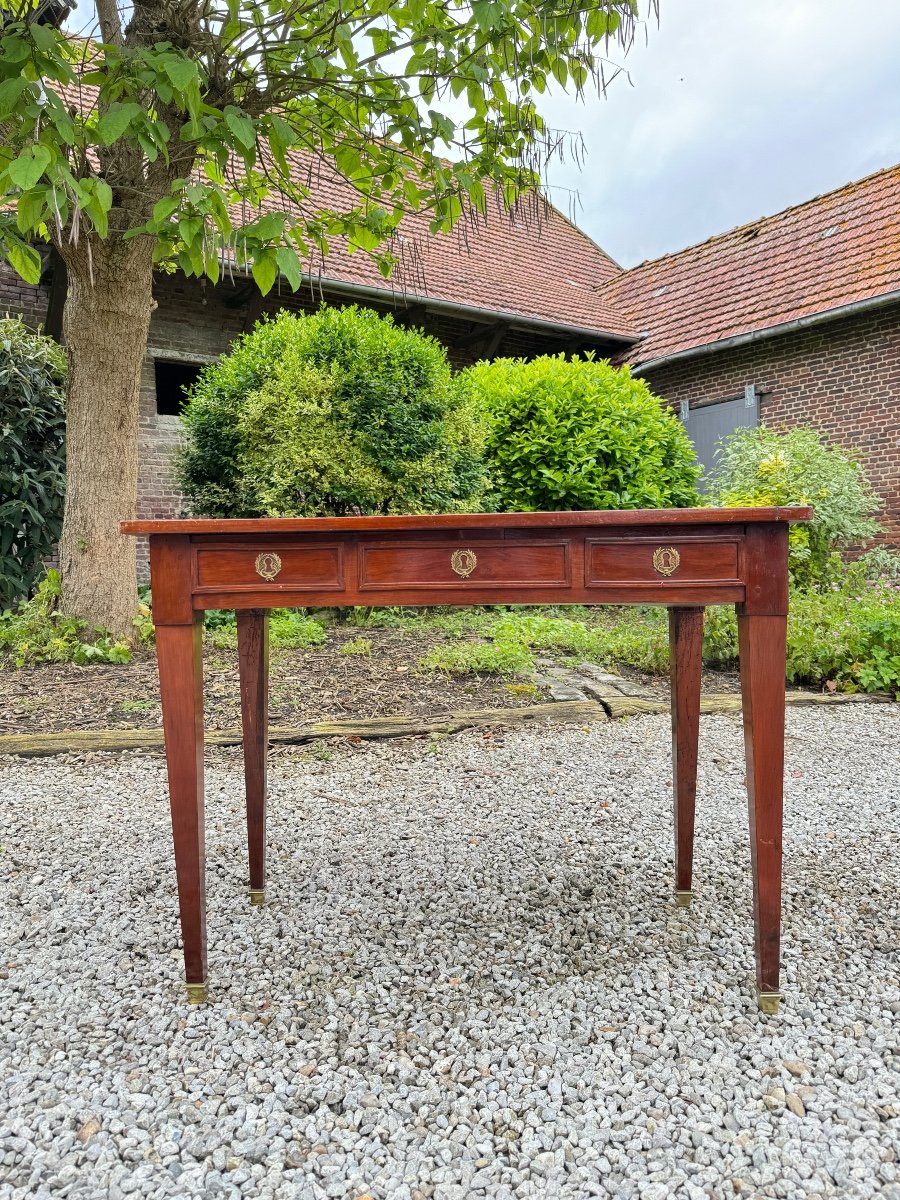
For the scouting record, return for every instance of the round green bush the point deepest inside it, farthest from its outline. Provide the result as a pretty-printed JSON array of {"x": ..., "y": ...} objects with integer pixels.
[
  {"x": 579, "y": 434},
  {"x": 33, "y": 462},
  {"x": 335, "y": 413},
  {"x": 762, "y": 466}
]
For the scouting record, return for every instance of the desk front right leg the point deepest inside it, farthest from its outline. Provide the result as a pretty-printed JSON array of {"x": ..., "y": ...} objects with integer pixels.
[
  {"x": 762, "y": 643},
  {"x": 179, "y": 652}
]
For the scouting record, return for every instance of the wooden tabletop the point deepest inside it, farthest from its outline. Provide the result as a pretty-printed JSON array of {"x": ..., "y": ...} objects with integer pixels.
[{"x": 507, "y": 520}]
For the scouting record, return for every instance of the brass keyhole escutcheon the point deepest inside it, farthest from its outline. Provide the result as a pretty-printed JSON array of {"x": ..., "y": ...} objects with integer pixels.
[
  {"x": 666, "y": 560},
  {"x": 463, "y": 562},
  {"x": 268, "y": 565}
]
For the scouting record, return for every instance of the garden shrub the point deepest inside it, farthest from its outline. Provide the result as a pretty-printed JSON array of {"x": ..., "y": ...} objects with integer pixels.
[
  {"x": 579, "y": 434},
  {"x": 36, "y": 632},
  {"x": 338, "y": 412},
  {"x": 32, "y": 465},
  {"x": 764, "y": 467}
]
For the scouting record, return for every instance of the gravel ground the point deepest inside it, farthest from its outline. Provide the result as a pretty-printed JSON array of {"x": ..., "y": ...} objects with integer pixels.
[{"x": 471, "y": 980}]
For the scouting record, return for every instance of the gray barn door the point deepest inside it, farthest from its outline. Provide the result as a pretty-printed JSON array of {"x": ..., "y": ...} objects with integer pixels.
[{"x": 707, "y": 425}]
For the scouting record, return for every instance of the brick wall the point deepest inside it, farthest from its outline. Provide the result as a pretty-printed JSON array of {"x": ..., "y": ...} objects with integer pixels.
[
  {"x": 842, "y": 377},
  {"x": 19, "y": 299}
]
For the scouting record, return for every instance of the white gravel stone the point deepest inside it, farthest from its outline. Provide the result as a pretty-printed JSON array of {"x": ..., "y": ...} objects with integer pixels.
[{"x": 470, "y": 979}]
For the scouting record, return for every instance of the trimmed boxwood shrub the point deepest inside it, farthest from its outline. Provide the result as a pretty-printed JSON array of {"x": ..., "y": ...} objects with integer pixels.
[
  {"x": 335, "y": 413},
  {"x": 33, "y": 461},
  {"x": 579, "y": 434}
]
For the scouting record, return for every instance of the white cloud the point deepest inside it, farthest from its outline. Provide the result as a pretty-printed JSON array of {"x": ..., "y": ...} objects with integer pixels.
[{"x": 738, "y": 109}]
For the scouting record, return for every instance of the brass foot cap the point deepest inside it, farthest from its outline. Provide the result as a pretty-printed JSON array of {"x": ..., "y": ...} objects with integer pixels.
[
  {"x": 683, "y": 899},
  {"x": 769, "y": 1002},
  {"x": 198, "y": 993},
  {"x": 258, "y": 896}
]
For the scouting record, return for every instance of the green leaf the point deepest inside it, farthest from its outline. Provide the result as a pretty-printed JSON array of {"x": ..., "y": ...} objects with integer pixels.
[
  {"x": 30, "y": 210},
  {"x": 289, "y": 265},
  {"x": 25, "y": 261},
  {"x": 104, "y": 194},
  {"x": 241, "y": 127},
  {"x": 115, "y": 121},
  {"x": 181, "y": 71},
  {"x": 265, "y": 270},
  {"x": 27, "y": 169},
  {"x": 164, "y": 208},
  {"x": 269, "y": 227},
  {"x": 10, "y": 91}
]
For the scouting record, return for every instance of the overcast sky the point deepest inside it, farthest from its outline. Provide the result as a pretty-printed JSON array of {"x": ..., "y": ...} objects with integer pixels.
[{"x": 736, "y": 109}]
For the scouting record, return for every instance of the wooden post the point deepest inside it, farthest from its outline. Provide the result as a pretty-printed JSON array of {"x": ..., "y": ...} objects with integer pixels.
[
  {"x": 685, "y": 661},
  {"x": 253, "y": 660}
]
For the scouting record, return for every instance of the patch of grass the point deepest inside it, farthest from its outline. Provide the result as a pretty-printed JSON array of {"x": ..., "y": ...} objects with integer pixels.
[
  {"x": 360, "y": 645},
  {"x": 476, "y": 658},
  {"x": 294, "y": 630},
  {"x": 319, "y": 751},
  {"x": 134, "y": 706},
  {"x": 37, "y": 632},
  {"x": 289, "y": 629}
]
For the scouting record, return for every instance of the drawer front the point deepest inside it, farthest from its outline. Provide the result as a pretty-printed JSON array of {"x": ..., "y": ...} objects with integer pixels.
[
  {"x": 317, "y": 568},
  {"x": 658, "y": 561},
  {"x": 442, "y": 565}
]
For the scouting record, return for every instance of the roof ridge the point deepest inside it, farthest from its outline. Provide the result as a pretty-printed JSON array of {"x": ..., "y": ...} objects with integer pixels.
[{"x": 736, "y": 229}]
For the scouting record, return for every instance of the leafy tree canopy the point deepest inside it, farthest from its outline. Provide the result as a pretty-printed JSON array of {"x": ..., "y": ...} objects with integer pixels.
[{"x": 187, "y": 121}]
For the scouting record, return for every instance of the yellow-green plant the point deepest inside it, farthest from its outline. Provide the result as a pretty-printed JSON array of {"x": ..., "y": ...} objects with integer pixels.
[{"x": 763, "y": 466}]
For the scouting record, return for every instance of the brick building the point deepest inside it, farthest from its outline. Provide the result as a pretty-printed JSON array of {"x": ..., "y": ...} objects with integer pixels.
[{"x": 792, "y": 319}]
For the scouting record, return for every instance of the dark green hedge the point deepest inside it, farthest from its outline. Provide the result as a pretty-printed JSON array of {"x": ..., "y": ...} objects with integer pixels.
[
  {"x": 339, "y": 412},
  {"x": 32, "y": 462}
]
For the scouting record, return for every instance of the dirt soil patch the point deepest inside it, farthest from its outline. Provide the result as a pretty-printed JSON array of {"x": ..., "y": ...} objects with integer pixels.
[{"x": 305, "y": 685}]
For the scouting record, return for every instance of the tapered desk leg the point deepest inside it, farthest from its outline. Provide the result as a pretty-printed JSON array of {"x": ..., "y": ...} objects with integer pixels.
[
  {"x": 179, "y": 651},
  {"x": 253, "y": 659},
  {"x": 762, "y": 649},
  {"x": 685, "y": 659}
]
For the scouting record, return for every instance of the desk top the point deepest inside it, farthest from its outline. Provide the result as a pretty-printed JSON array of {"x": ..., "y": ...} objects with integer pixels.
[{"x": 456, "y": 521}]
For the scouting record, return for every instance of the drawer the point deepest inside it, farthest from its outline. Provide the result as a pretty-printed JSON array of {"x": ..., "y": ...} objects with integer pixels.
[
  {"x": 481, "y": 564},
  {"x": 648, "y": 560},
  {"x": 315, "y": 568}
]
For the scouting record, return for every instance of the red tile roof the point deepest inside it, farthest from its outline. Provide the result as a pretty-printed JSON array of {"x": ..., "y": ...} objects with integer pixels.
[
  {"x": 535, "y": 265},
  {"x": 834, "y": 250}
]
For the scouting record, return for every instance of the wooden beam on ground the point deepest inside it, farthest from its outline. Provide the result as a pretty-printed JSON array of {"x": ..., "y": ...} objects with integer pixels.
[
  {"x": 80, "y": 741},
  {"x": 585, "y": 712}
]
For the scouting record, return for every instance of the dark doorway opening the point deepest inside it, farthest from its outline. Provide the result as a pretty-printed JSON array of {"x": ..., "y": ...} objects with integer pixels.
[{"x": 173, "y": 379}]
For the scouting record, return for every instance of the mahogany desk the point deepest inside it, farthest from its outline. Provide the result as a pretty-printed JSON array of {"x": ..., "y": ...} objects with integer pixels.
[{"x": 680, "y": 558}]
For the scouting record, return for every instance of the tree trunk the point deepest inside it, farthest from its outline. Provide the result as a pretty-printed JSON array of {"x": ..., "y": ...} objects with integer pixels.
[{"x": 106, "y": 321}]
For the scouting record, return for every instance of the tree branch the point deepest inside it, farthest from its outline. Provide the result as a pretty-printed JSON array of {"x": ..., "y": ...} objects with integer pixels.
[{"x": 110, "y": 22}]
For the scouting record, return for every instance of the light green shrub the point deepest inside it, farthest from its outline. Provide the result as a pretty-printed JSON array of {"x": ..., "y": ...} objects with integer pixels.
[{"x": 579, "y": 434}]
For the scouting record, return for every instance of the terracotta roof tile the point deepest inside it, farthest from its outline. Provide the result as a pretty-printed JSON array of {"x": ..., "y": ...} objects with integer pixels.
[
  {"x": 831, "y": 251},
  {"x": 536, "y": 264},
  {"x": 533, "y": 263}
]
